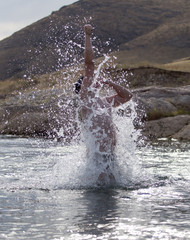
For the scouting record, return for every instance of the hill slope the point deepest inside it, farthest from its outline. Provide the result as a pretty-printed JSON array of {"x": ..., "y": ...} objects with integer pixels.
[{"x": 145, "y": 30}]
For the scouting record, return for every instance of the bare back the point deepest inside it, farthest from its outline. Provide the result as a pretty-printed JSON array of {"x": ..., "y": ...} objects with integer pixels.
[{"x": 96, "y": 115}]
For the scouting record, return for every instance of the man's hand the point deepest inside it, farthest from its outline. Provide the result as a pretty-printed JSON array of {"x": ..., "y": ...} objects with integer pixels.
[{"x": 88, "y": 29}]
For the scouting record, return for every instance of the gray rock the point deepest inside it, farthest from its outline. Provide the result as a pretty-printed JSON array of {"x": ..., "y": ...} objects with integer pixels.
[
  {"x": 43, "y": 113},
  {"x": 171, "y": 127},
  {"x": 48, "y": 113},
  {"x": 157, "y": 108},
  {"x": 159, "y": 102},
  {"x": 183, "y": 134}
]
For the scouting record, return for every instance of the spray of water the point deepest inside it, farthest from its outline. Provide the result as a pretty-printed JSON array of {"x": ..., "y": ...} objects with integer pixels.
[
  {"x": 80, "y": 169},
  {"x": 73, "y": 165}
]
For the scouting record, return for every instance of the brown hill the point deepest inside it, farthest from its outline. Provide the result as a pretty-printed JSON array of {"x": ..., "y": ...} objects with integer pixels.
[
  {"x": 164, "y": 44},
  {"x": 145, "y": 30}
]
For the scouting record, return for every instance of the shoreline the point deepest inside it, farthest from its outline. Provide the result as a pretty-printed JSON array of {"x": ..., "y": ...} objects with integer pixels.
[{"x": 163, "y": 106}]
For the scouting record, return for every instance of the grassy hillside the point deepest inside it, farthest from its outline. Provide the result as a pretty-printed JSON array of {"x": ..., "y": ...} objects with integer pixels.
[
  {"x": 164, "y": 44},
  {"x": 145, "y": 31}
]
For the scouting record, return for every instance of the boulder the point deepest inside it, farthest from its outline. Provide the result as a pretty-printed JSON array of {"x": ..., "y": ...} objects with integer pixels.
[
  {"x": 159, "y": 102},
  {"x": 156, "y": 108},
  {"x": 42, "y": 113},
  {"x": 183, "y": 134},
  {"x": 28, "y": 123},
  {"x": 170, "y": 127}
]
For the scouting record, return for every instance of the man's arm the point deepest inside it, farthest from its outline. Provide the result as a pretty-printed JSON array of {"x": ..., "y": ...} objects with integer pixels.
[
  {"x": 123, "y": 95},
  {"x": 88, "y": 60},
  {"x": 88, "y": 52}
]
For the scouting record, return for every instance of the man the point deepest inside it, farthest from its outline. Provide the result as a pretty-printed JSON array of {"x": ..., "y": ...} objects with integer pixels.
[{"x": 96, "y": 114}]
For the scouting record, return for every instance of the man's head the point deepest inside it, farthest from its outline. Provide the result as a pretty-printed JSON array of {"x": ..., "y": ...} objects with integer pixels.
[{"x": 78, "y": 85}]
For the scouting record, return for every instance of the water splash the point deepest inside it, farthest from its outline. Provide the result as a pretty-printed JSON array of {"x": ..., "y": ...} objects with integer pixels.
[
  {"x": 72, "y": 168},
  {"x": 127, "y": 168}
]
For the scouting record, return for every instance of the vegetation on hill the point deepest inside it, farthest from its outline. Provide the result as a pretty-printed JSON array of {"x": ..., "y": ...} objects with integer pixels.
[{"x": 182, "y": 65}]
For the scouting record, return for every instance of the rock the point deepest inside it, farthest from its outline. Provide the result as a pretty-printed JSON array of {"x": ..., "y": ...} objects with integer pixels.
[
  {"x": 150, "y": 76},
  {"x": 170, "y": 127},
  {"x": 182, "y": 102},
  {"x": 49, "y": 124},
  {"x": 49, "y": 113},
  {"x": 183, "y": 134},
  {"x": 157, "y": 108},
  {"x": 42, "y": 113},
  {"x": 159, "y": 102},
  {"x": 25, "y": 124}
]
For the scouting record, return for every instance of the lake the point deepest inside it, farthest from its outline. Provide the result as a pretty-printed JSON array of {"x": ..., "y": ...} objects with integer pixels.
[{"x": 45, "y": 193}]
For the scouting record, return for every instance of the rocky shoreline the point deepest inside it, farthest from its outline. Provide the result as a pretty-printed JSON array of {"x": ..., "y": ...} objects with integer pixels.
[
  {"x": 165, "y": 112},
  {"x": 41, "y": 113}
]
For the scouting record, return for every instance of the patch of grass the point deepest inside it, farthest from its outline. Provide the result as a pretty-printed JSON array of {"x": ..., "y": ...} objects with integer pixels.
[
  {"x": 182, "y": 112},
  {"x": 142, "y": 64},
  {"x": 180, "y": 65},
  {"x": 11, "y": 86},
  {"x": 63, "y": 79},
  {"x": 156, "y": 114}
]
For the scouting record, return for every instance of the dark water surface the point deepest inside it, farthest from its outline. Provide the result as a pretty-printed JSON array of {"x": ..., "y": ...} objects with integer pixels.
[{"x": 34, "y": 206}]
